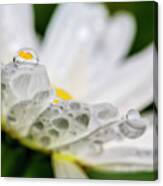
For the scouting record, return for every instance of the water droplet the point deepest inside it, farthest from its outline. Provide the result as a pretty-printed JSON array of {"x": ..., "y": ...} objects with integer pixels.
[
  {"x": 133, "y": 114},
  {"x": 25, "y": 55}
]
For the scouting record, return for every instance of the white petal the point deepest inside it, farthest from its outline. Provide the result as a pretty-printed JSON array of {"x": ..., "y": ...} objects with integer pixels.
[
  {"x": 130, "y": 86},
  {"x": 120, "y": 32},
  {"x": 67, "y": 169},
  {"x": 126, "y": 155},
  {"x": 17, "y": 30},
  {"x": 113, "y": 46},
  {"x": 27, "y": 91},
  {"x": 72, "y": 32}
]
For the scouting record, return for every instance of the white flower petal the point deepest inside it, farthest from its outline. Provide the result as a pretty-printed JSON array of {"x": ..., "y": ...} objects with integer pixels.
[
  {"x": 120, "y": 32},
  {"x": 26, "y": 90},
  {"x": 17, "y": 30},
  {"x": 67, "y": 169},
  {"x": 130, "y": 86},
  {"x": 72, "y": 33},
  {"x": 126, "y": 155},
  {"x": 113, "y": 46}
]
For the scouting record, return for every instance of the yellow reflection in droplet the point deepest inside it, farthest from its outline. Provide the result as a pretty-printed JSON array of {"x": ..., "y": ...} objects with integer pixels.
[{"x": 25, "y": 55}]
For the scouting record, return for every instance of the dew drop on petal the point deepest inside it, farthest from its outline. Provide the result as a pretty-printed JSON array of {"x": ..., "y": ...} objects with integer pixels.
[
  {"x": 133, "y": 115},
  {"x": 25, "y": 55}
]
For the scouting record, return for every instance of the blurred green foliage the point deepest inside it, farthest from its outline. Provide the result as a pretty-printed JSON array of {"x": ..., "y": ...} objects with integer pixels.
[
  {"x": 17, "y": 160},
  {"x": 103, "y": 175}
]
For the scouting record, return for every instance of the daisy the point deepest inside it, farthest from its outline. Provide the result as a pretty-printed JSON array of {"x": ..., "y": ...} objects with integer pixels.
[{"x": 84, "y": 51}]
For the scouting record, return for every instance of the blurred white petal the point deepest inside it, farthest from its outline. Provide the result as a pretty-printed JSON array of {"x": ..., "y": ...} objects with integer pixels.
[
  {"x": 130, "y": 86},
  {"x": 67, "y": 169},
  {"x": 17, "y": 30},
  {"x": 114, "y": 45},
  {"x": 72, "y": 33},
  {"x": 120, "y": 35}
]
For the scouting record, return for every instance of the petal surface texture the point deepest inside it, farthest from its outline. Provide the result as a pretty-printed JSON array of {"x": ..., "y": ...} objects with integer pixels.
[{"x": 128, "y": 155}]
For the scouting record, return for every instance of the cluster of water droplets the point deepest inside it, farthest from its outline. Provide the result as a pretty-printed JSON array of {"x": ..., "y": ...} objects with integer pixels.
[{"x": 27, "y": 104}]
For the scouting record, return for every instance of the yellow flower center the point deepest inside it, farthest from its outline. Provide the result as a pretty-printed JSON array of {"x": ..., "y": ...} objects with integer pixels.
[
  {"x": 25, "y": 55},
  {"x": 62, "y": 95},
  {"x": 65, "y": 157}
]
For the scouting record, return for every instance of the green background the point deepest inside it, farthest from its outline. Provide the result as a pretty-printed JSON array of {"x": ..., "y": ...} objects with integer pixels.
[{"x": 18, "y": 161}]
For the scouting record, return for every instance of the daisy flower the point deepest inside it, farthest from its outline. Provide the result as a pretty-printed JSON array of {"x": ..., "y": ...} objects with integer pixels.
[{"x": 59, "y": 102}]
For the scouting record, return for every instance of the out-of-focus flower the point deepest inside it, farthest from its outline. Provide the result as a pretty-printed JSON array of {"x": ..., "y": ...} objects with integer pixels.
[{"x": 84, "y": 51}]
